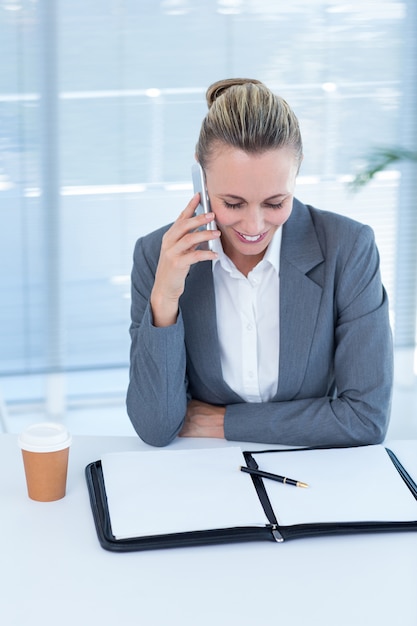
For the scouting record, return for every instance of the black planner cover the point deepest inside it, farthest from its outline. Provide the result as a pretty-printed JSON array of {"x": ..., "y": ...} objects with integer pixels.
[{"x": 270, "y": 532}]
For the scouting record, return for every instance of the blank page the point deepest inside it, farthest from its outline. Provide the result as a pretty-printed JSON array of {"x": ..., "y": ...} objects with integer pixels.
[
  {"x": 160, "y": 492},
  {"x": 345, "y": 485}
]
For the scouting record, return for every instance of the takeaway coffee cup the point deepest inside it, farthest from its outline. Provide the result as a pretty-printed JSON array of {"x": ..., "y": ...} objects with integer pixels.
[{"x": 45, "y": 450}]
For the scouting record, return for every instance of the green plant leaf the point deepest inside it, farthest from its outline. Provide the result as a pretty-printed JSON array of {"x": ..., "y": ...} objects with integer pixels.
[{"x": 379, "y": 160}]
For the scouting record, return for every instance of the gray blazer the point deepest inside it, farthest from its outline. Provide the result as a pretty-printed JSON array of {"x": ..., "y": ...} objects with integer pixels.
[{"x": 336, "y": 363}]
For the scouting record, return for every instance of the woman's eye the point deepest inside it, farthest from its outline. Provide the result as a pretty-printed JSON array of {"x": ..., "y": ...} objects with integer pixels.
[
  {"x": 275, "y": 206},
  {"x": 229, "y": 205}
]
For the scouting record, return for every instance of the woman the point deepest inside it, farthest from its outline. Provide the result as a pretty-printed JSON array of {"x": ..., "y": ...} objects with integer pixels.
[{"x": 279, "y": 333}]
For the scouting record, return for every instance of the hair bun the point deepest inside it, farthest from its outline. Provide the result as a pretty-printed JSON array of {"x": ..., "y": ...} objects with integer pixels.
[{"x": 218, "y": 88}]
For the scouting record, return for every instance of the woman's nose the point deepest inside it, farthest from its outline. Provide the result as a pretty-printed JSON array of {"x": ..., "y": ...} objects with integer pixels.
[{"x": 253, "y": 221}]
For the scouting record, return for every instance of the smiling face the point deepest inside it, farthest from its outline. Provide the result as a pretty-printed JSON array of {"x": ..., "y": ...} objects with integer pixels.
[{"x": 251, "y": 196}]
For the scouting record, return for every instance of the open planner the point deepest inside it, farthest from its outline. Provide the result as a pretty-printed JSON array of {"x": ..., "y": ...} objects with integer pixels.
[{"x": 174, "y": 498}]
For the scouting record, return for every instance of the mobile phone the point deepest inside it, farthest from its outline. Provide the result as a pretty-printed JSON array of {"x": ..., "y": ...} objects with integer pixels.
[{"x": 199, "y": 184}]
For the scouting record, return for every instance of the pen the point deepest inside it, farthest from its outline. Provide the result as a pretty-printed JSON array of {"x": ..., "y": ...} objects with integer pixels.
[{"x": 279, "y": 479}]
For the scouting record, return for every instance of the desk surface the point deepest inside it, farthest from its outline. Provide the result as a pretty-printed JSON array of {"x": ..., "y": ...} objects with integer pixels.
[{"x": 55, "y": 572}]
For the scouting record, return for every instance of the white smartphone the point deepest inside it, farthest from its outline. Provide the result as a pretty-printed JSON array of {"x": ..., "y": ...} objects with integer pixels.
[{"x": 199, "y": 184}]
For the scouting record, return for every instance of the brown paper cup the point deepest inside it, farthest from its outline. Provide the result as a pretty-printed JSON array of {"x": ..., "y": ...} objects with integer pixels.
[{"x": 45, "y": 451}]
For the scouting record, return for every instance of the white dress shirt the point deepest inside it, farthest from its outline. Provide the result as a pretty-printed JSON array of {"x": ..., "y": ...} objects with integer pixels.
[{"x": 247, "y": 312}]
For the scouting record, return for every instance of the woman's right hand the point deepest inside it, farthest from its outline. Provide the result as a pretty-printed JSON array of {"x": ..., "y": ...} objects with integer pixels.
[{"x": 179, "y": 251}]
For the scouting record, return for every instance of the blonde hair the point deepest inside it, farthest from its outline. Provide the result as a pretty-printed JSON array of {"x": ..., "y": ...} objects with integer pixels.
[{"x": 243, "y": 113}]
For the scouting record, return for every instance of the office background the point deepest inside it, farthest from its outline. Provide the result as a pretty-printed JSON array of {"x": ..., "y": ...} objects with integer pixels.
[{"x": 100, "y": 107}]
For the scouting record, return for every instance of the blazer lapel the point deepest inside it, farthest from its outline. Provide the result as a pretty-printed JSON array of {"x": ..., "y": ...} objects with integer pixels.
[
  {"x": 198, "y": 308},
  {"x": 299, "y": 299}
]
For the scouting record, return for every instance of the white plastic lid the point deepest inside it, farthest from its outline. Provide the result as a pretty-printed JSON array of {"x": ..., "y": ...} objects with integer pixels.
[{"x": 45, "y": 437}]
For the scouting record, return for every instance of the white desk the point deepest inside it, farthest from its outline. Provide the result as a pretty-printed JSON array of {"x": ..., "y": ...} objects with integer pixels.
[{"x": 53, "y": 570}]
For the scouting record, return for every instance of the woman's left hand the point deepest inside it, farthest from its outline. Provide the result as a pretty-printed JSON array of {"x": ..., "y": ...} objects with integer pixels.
[{"x": 203, "y": 420}]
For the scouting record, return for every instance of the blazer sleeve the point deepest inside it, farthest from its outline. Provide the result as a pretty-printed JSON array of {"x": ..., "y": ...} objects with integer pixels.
[
  {"x": 156, "y": 396},
  {"x": 357, "y": 411}
]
